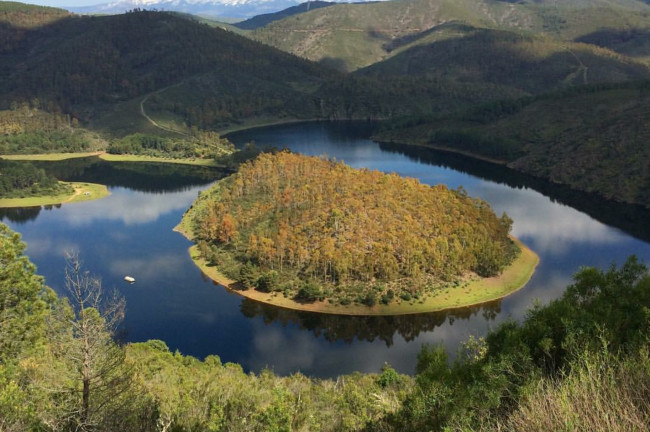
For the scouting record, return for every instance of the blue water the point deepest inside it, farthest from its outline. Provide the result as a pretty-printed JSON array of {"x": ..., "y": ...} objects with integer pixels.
[{"x": 130, "y": 233}]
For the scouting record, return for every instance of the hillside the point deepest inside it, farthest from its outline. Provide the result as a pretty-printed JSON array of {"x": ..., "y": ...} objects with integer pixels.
[
  {"x": 27, "y": 16},
  {"x": 314, "y": 229},
  {"x": 261, "y": 20},
  {"x": 592, "y": 139},
  {"x": 84, "y": 65},
  {"x": 353, "y": 36},
  {"x": 531, "y": 64}
]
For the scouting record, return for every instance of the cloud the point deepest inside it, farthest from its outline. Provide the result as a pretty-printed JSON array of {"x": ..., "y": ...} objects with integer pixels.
[
  {"x": 554, "y": 228},
  {"x": 130, "y": 207}
]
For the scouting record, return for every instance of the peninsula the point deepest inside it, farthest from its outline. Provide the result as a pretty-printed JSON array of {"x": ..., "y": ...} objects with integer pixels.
[{"x": 314, "y": 234}]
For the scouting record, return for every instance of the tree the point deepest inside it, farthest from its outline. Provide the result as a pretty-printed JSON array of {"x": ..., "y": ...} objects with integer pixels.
[
  {"x": 95, "y": 377},
  {"x": 24, "y": 305},
  {"x": 24, "y": 298}
]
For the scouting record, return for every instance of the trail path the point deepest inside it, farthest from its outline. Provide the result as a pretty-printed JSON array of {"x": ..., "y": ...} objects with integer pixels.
[
  {"x": 77, "y": 192},
  {"x": 152, "y": 121}
]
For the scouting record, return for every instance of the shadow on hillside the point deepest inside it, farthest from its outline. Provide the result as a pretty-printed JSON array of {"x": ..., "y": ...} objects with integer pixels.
[
  {"x": 631, "y": 42},
  {"x": 453, "y": 26}
]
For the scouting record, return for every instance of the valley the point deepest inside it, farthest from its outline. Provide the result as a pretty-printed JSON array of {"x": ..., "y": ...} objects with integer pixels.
[{"x": 400, "y": 215}]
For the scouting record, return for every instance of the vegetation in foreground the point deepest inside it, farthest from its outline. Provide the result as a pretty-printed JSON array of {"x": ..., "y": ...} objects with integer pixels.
[
  {"x": 577, "y": 364},
  {"x": 315, "y": 229},
  {"x": 580, "y": 363},
  {"x": 60, "y": 370}
]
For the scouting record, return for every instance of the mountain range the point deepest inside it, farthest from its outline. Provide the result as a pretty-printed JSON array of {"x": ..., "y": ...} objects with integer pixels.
[{"x": 221, "y": 9}]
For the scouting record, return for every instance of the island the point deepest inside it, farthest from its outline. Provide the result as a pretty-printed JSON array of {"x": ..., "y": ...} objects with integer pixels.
[{"x": 310, "y": 233}]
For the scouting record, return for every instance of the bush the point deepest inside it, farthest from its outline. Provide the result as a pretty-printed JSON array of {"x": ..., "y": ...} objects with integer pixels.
[
  {"x": 310, "y": 291},
  {"x": 268, "y": 281}
]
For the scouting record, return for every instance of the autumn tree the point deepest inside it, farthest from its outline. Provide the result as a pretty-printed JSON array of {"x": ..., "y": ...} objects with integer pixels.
[{"x": 313, "y": 218}]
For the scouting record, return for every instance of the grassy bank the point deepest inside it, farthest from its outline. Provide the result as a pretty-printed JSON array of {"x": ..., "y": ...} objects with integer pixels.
[
  {"x": 52, "y": 157},
  {"x": 515, "y": 277},
  {"x": 82, "y": 192},
  {"x": 49, "y": 157},
  {"x": 138, "y": 158}
]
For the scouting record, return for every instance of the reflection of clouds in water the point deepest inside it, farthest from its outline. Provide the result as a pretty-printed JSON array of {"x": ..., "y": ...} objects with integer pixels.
[
  {"x": 41, "y": 246},
  {"x": 543, "y": 288},
  {"x": 554, "y": 228},
  {"x": 290, "y": 352},
  {"x": 149, "y": 269},
  {"x": 130, "y": 207}
]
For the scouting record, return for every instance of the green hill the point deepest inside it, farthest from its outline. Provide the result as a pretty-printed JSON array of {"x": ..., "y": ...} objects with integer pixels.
[
  {"x": 352, "y": 36},
  {"x": 634, "y": 42},
  {"x": 592, "y": 139},
  {"x": 264, "y": 19},
  {"x": 532, "y": 64},
  {"x": 85, "y": 65},
  {"x": 26, "y": 16}
]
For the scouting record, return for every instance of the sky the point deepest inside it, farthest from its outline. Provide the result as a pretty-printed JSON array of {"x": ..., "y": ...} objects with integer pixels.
[{"x": 64, "y": 3}]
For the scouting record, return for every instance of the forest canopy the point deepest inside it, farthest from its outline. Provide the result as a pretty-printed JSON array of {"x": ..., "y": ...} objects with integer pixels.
[{"x": 316, "y": 228}]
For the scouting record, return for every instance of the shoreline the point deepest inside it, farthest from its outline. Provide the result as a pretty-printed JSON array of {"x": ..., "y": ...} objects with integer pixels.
[
  {"x": 442, "y": 149},
  {"x": 513, "y": 278},
  {"x": 277, "y": 122},
  {"x": 49, "y": 157},
  {"x": 83, "y": 192},
  {"x": 54, "y": 157}
]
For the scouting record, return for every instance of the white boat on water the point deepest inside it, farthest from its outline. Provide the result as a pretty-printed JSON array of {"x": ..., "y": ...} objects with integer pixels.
[{"x": 129, "y": 279}]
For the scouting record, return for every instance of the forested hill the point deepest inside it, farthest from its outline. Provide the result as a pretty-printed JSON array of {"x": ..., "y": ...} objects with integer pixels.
[
  {"x": 529, "y": 63},
  {"x": 593, "y": 138},
  {"x": 352, "y": 36},
  {"x": 264, "y": 19},
  {"x": 76, "y": 64},
  {"x": 21, "y": 15}
]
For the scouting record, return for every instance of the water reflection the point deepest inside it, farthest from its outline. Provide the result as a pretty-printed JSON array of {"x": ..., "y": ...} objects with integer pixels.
[
  {"x": 347, "y": 329},
  {"x": 130, "y": 232},
  {"x": 137, "y": 176},
  {"x": 627, "y": 217},
  {"x": 20, "y": 214}
]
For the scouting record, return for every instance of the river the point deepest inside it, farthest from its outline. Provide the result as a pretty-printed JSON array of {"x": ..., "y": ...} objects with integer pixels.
[{"x": 130, "y": 233}]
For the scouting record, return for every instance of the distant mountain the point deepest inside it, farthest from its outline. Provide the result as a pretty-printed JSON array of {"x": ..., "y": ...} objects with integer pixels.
[
  {"x": 21, "y": 15},
  {"x": 353, "y": 36},
  {"x": 529, "y": 63},
  {"x": 85, "y": 65},
  {"x": 210, "y": 8},
  {"x": 264, "y": 19}
]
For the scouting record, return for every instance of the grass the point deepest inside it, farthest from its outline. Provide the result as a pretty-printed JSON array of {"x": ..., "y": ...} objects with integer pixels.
[
  {"x": 601, "y": 393},
  {"x": 50, "y": 157},
  {"x": 515, "y": 277},
  {"x": 110, "y": 158},
  {"x": 83, "y": 192},
  {"x": 139, "y": 158}
]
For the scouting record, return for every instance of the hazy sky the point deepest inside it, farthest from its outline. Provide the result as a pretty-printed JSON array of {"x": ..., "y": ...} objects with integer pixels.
[{"x": 62, "y": 3}]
